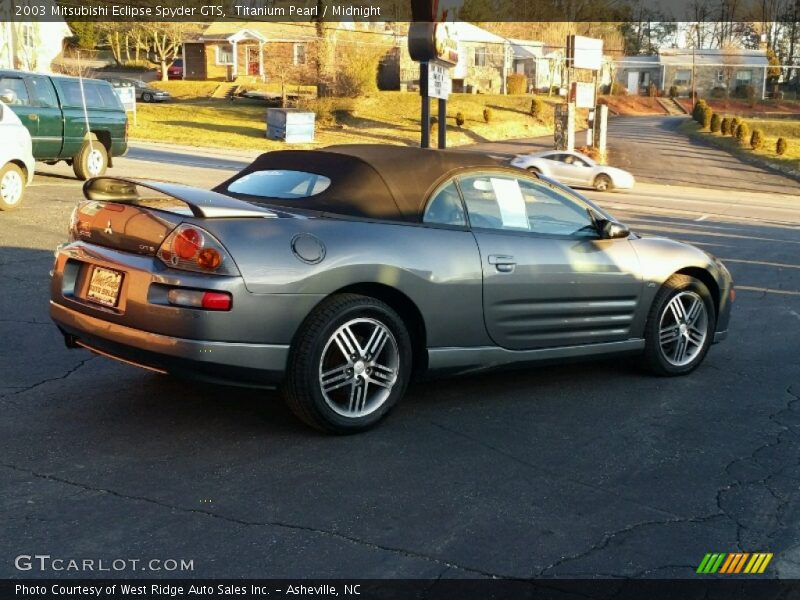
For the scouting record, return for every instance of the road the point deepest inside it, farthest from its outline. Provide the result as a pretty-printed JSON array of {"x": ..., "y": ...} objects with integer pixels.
[{"x": 559, "y": 471}]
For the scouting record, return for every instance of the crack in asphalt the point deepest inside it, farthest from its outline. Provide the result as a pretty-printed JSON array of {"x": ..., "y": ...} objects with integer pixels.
[
  {"x": 548, "y": 472},
  {"x": 279, "y": 524},
  {"x": 23, "y": 322},
  {"x": 42, "y": 382}
]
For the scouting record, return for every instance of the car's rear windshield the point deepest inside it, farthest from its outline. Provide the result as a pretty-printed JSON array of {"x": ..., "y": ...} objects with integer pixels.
[{"x": 280, "y": 183}]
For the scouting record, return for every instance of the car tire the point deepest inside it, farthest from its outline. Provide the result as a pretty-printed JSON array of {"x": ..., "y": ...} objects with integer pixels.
[
  {"x": 343, "y": 394},
  {"x": 680, "y": 327},
  {"x": 12, "y": 186},
  {"x": 147, "y": 97},
  {"x": 603, "y": 183},
  {"x": 534, "y": 171},
  {"x": 90, "y": 161}
]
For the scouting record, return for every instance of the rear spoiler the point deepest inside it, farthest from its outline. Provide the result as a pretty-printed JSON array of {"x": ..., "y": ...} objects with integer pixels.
[{"x": 202, "y": 203}]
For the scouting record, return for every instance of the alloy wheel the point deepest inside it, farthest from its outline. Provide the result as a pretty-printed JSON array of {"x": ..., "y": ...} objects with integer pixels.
[
  {"x": 11, "y": 187},
  {"x": 359, "y": 367},
  {"x": 683, "y": 328}
]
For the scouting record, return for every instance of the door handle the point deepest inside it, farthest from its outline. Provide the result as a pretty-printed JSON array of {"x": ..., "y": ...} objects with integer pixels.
[
  {"x": 502, "y": 262},
  {"x": 33, "y": 117}
]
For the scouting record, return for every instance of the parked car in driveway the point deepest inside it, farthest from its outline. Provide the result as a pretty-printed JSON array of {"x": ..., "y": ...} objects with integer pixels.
[
  {"x": 16, "y": 159},
  {"x": 340, "y": 274},
  {"x": 55, "y": 109},
  {"x": 175, "y": 70},
  {"x": 575, "y": 170},
  {"x": 144, "y": 91}
]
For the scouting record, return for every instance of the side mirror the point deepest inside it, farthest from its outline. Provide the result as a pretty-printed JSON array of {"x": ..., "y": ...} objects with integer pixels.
[
  {"x": 611, "y": 230},
  {"x": 8, "y": 97}
]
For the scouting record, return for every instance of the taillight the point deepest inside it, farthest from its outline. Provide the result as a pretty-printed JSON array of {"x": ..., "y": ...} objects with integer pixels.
[
  {"x": 192, "y": 248},
  {"x": 200, "y": 299}
]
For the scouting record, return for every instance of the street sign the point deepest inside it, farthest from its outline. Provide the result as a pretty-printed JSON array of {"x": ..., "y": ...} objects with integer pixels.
[
  {"x": 127, "y": 95},
  {"x": 439, "y": 83},
  {"x": 582, "y": 94},
  {"x": 584, "y": 52}
]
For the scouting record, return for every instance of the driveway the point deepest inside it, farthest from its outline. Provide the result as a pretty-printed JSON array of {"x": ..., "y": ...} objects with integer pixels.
[{"x": 655, "y": 151}]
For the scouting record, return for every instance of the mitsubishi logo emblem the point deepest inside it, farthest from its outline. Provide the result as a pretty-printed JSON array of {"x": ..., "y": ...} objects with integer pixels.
[{"x": 108, "y": 230}]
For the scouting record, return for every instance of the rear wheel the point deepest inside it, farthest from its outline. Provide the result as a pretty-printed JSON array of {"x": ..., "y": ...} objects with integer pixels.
[
  {"x": 350, "y": 364},
  {"x": 90, "y": 161},
  {"x": 603, "y": 183},
  {"x": 12, "y": 186},
  {"x": 147, "y": 97},
  {"x": 680, "y": 326}
]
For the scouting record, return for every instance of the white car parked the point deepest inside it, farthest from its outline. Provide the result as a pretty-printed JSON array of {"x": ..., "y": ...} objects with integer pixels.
[
  {"x": 16, "y": 159},
  {"x": 575, "y": 169}
]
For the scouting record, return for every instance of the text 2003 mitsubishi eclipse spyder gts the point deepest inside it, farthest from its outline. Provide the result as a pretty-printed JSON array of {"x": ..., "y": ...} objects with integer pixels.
[{"x": 339, "y": 274}]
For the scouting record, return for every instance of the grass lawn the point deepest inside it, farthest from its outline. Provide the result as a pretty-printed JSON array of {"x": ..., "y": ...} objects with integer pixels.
[
  {"x": 773, "y": 129},
  {"x": 383, "y": 117}
]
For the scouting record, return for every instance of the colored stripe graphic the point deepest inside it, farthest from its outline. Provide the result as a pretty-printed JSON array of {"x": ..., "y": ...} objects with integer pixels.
[{"x": 734, "y": 562}]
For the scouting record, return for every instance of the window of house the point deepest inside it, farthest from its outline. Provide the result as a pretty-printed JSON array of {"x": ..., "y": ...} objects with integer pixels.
[
  {"x": 299, "y": 54},
  {"x": 744, "y": 77},
  {"x": 720, "y": 76},
  {"x": 480, "y": 57},
  {"x": 225, "y": 54},
  {"x": 28, "y": 37},
  {"x": 682, "y": 77}
]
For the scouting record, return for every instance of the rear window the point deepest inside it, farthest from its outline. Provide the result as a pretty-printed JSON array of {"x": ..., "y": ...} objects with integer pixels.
[
  {"x": 98, "y": 95},
  {"x": 279, "y": 183}
]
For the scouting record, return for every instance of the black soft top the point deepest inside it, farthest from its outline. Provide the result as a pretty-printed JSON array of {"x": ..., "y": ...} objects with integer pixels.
[{"x": 367, "y": 180}]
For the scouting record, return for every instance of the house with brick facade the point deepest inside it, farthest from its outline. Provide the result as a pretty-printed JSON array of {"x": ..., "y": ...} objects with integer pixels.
[
  {"x": 229, "y": 49},
  {"x": 711, "y": 72}
]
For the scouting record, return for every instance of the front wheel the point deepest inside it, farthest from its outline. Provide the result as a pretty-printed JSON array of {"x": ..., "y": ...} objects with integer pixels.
[
  {"x": 680, "y": 326},
  {"x": 12, "y": 186},
  {"x": 349, "y": 365},
  {"x": 603, "y": 183},
  {"x": 147, "y": 97},
  {"x": 91, "y": 160}
]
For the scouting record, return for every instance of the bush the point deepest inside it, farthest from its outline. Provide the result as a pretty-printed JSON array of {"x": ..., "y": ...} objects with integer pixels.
[
  {"x": 697, "y": 110},
  {"x": 517, "y": 84},
  {"x": 537, "y": 108},
  {"x": 705, "y": 116},
  {"x": 750, "y": 94},
  {"x": 357, "y": 72},
  {"x": 734, "y": 125},
  {"x": 719, "y": 92},
  {"x": 757, "y": 139},
  {"x": 617, "y": 89},
  {"x": 460, "y": 120},
  {"x": 487, "y": 115},
  {"x": 716, "y": 123},
  {"x": 742, "y": 133},
  {"x": 781, "y": 147},
  {"x": 673, "y": 91},
  {"x": 725, "y": 126}
]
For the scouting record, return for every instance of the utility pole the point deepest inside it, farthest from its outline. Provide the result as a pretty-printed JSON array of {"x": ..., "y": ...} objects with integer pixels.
[{"x": 693, "y": 86}]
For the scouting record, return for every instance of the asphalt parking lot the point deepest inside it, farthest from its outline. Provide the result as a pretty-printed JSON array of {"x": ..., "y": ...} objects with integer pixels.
[{"x": 580, "y": 470}]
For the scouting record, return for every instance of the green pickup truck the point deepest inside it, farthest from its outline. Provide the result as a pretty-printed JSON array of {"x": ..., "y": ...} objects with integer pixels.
[{"x": 53, "y": 109}]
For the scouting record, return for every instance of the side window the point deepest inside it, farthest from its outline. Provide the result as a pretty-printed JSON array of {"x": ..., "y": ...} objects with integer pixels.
[
  {"x": 494, "y": 201},
  {"x": 71, "y": 93},
  {"x": 445, "y": 207},
  {"x": 553, "y": 212},
  {"x": 13, "y": 91},
  {"x": 42, "y": 92},
  {"x": 498, "y": 201}
]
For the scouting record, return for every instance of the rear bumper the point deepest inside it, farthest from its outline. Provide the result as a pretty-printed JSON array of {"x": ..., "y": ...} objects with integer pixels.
[{"x": 246, "y": 364}]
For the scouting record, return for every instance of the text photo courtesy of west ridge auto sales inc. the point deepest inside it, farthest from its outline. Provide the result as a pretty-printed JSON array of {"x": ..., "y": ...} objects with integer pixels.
[{"x": 399, "y": 299}]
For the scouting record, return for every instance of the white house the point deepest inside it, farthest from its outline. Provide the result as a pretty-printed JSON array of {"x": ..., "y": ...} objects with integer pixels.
[{"x": 30, "y": 45}]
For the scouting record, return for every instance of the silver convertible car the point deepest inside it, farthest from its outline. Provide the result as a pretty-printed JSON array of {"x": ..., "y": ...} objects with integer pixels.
[{"x": 341, "y": 274}]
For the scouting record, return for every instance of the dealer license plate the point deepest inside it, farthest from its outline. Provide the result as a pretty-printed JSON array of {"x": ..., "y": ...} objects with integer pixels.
[{"x": 104, "y": 286}]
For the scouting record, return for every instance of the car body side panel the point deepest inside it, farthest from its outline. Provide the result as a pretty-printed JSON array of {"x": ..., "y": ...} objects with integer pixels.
[
  {"x": 438, "y": 269},
  {"x": 662, "y": 257}
]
